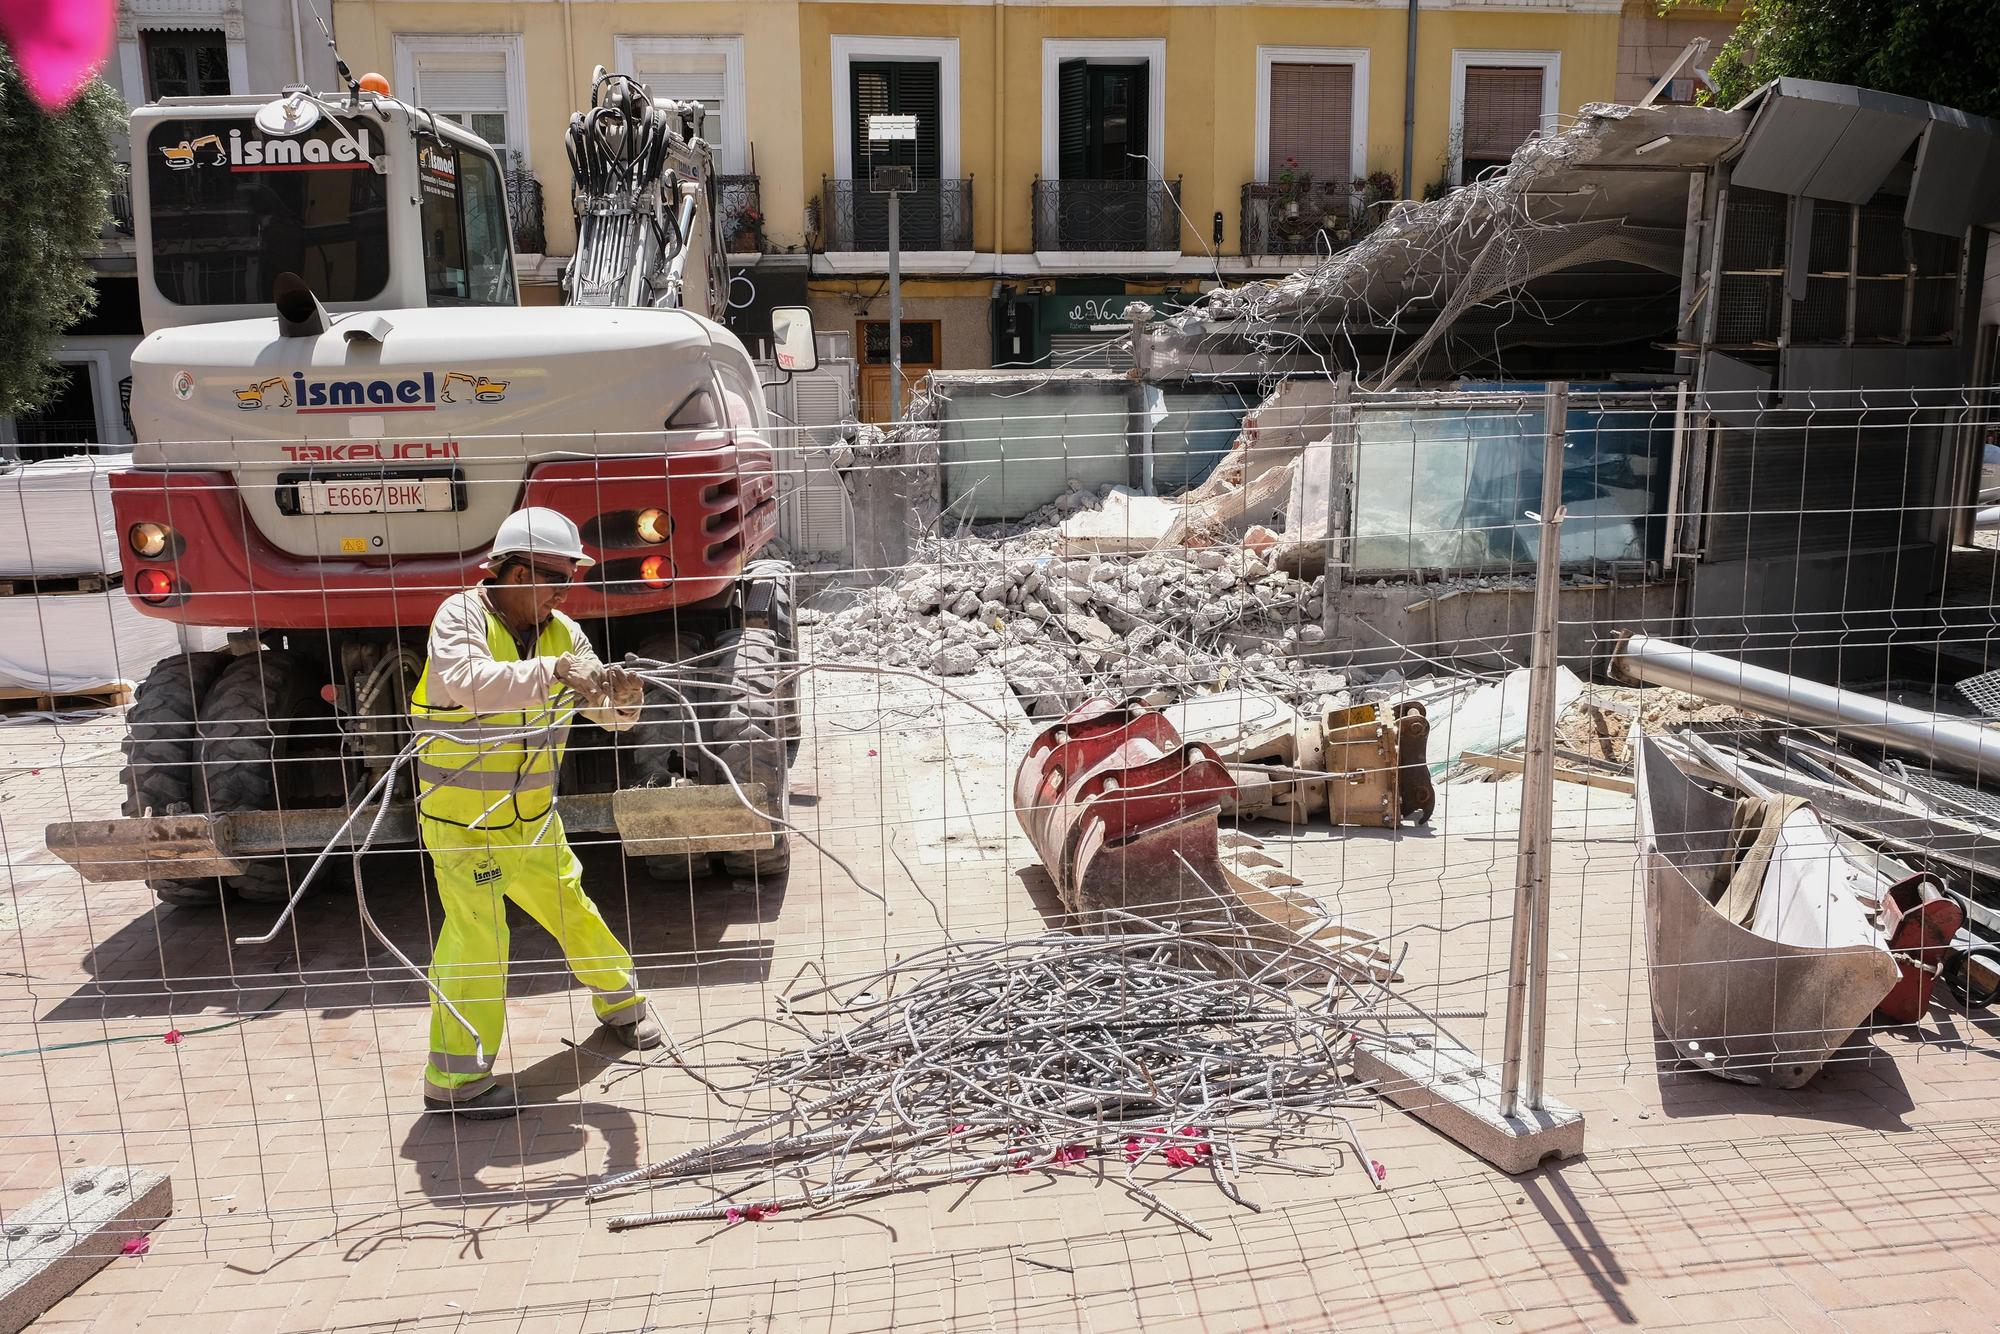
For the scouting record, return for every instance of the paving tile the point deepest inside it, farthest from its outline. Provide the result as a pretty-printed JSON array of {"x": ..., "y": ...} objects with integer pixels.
[{"x": 311, "y": 1194}]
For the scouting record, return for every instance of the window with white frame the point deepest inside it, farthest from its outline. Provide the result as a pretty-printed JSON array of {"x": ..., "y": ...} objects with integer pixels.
[
  {"x": 1500, "y": 100},
  {"x": 896, "y": 75},
  {"x": 1312, "y": 114},
  {"x": 473, "y": 80},
  {"x": 708, "y": 70},
  {"x": 1104, "y": 108}
]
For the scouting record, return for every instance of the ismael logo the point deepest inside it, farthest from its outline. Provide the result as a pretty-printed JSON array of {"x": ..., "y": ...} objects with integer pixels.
[
  {"x": 254, "y": 153},
  {"x": 417, "y": 393}
]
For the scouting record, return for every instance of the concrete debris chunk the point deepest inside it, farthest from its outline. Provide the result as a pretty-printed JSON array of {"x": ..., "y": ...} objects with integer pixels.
[{"x": 71, "y": 1232}]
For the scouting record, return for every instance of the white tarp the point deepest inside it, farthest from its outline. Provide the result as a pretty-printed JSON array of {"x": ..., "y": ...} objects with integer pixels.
[
  {"x": 55, "y": 516},
  {"x": 63, "y": 643}
]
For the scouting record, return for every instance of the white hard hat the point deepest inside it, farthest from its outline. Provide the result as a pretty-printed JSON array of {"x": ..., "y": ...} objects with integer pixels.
[{"x": 537, "y": 531}]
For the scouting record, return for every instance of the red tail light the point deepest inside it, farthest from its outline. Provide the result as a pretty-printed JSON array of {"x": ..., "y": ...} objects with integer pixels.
[
  {"x": 153, "y": 585},
  {"x": 654, "y": 571}
]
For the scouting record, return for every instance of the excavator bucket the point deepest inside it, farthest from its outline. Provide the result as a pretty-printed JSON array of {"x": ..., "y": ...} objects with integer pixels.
[{"x": 1123, "y": 813}]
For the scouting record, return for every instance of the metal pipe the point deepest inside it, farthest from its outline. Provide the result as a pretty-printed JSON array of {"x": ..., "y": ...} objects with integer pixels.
[
  {"x": 1647, "y": 660},
  {"x": 1538, "y": 769},
  {"x": 1527, "y": 985},
  {"x": 1410, "y": 107}
]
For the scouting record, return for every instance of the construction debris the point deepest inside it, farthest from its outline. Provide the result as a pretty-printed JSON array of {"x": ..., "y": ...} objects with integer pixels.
[
  {"x": 1135, "y": 1057},
  {"x": 1062, "y": 625}
]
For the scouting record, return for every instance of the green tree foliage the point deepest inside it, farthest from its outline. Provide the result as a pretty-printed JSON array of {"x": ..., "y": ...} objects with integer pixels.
[
  {"x": 1944, "y": 51},
  {"x": 56, "y": 176}
]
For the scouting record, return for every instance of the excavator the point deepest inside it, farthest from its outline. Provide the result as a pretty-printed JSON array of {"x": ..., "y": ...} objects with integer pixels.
[{"x": 331, "y": 305}]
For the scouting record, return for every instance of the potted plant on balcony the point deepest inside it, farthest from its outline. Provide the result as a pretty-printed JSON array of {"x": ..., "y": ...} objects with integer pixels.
[
  {"x": 746, "y": 234},
  {"x": 1293, "y": 187}
]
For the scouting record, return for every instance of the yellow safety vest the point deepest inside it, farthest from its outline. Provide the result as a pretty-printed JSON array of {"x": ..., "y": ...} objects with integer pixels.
[{"x": 492, "y": 770}]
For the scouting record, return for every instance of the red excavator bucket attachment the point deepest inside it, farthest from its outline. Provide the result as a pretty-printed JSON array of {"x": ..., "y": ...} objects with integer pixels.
[{"x": 1124, "y": 812}]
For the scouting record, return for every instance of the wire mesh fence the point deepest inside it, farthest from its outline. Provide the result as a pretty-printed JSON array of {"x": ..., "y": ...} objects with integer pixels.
[{"x": 1124, "y": 828}]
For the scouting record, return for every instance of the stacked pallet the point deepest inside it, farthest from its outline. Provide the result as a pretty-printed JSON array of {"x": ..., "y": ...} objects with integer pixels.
[{"x": 68, "y": 633}]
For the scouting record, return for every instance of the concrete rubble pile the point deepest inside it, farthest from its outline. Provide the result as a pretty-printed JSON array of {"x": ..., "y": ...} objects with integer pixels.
[{"x": 1062, "y": 624}]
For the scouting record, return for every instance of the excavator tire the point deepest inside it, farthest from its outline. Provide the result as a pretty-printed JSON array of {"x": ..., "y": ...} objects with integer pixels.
[
  {"x": 159, "y": 746},
  {"x": 767, "y": 605},
  {"x": 651, "y": 752},
  {"x": 743, "y": 732},
  {"x": 248, "y": 722}
]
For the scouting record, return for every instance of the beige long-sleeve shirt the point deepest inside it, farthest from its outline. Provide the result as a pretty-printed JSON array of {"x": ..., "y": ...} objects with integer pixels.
[{"x": 464, "y": 668}]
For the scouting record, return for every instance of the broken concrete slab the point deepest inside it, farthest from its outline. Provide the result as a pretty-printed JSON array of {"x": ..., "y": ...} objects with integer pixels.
[
  {"x": 1448, "y": 1087},
  {"x": 70, "y": 1233},
  {"x": 1128, "y": 521}
]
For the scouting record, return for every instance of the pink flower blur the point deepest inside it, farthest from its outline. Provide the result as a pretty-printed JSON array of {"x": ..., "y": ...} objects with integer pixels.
[{"x": 58, "y": 44}]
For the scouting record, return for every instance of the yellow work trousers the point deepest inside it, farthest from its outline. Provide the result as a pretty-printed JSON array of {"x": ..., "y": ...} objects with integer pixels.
[{"x": 478, "y": 872}]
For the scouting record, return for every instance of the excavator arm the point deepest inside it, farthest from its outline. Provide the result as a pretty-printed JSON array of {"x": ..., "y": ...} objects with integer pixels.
[{"x": 646, "y": 229}]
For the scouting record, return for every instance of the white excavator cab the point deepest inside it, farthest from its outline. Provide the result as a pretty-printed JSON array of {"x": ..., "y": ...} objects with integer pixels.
[{"x": 377, "y": 205}]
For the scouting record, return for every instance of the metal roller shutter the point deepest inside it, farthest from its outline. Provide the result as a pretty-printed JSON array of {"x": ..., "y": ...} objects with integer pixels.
[{"x": 463, "y": 89}]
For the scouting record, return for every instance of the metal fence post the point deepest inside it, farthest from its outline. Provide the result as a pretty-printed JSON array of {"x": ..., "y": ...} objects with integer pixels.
[{"x": 1528, "y": 962}]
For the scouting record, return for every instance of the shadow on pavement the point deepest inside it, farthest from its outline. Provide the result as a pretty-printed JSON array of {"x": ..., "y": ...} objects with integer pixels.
[{"x": 178, "y": 960}]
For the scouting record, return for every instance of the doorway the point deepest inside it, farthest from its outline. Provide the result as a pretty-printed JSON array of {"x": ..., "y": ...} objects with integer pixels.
[{"x": 922, "y": 344}]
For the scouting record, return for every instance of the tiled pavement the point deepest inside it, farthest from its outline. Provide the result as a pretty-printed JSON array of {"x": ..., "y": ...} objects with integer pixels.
[{"x": 312, "y": 1195}]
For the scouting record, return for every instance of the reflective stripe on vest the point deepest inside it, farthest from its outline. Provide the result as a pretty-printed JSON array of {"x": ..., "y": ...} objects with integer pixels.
[{"x": 491, "y": 770}]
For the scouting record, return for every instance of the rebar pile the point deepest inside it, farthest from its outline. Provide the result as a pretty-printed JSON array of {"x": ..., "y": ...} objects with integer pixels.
[{"x": 1106, "y": 1053}]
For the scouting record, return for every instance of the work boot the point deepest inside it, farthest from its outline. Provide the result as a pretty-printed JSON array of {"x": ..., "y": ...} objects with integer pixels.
[
  {"x": 640, "y": 1033},
  {"x": 496, "y": 1104}
]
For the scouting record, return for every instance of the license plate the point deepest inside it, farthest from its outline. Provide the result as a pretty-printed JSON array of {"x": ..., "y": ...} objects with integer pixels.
[{"x": 414, "y": 495}]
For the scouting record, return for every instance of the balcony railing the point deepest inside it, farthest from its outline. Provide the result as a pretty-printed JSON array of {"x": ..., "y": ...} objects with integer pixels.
[
  {"x": 36, "y": 432},
  {"x": 524, "y": 202},
  {"x": 1108, "y": 215},
  {"x": 1283, "y": 219},
  {"x": 121, "y": 200},
  {"x": 937, "y": 215},
  {"x": 741, "y": 208}
]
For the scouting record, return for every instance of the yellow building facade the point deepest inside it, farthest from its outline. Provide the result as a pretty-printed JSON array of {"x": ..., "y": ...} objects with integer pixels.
[{"x": 1066, "y": 148}]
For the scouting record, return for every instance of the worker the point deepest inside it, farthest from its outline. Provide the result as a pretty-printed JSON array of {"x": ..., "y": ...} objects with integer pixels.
[{"x": 506, "y": 674}]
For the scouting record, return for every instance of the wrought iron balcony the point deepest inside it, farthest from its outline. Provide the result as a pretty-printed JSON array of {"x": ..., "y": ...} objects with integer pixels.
[
  {"x": 741, "y": 208},
  {"x": 937, "y": 215},
  {"x": 121, "y": 200},
  {"x": 1283, "y": 219},
  {"x": 1108, "y": 215},
  {"x": 524, "y": 203}
]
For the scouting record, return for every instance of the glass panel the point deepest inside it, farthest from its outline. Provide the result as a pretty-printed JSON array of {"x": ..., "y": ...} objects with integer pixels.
[
  {"x": 1198, "y": 430},
  {"x": 223, "y": 231},
  {"x": 1449, "y": 488},
  {"x": 738, "y": 395},
  {"x": 488, "y": 247},
  {"x": 1006, "y": 452},
  {"x": 490, "y": 126},
  {"x": 169, "y": 68},
  {"x": 919, "y": 343},
  {"x": 211, "y": 69},
  {"x": 446, "y": 282}
]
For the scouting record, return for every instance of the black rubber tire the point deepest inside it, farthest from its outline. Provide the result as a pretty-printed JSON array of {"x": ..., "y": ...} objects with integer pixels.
[
  {"x": 159, "y": 746},
  {"x": 743, "y": 733},
  {"x": 247, "y": 724},
  {"x": 768, "y": 598}
]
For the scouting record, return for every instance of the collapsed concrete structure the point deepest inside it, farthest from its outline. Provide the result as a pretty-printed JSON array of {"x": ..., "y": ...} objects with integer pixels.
[{"x": 1766, "y": 313}]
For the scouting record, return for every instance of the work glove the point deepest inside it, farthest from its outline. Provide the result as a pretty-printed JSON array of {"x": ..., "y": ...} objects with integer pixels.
[
  {"x": 627, "y": 691},
  {"x": 585, "y": 678}
]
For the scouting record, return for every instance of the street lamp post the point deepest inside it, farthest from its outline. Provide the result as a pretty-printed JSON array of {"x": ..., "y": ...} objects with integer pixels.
[{"x": 893, "y": 182}]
